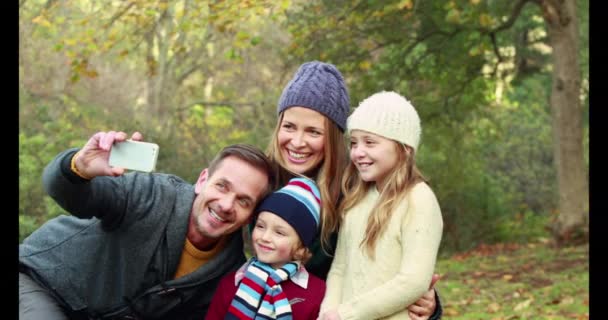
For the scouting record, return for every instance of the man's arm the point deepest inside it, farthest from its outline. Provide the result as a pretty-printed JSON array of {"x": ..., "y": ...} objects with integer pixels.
[
  {"x": 428, "y": 306},
  {"x": 70, "y": 179},
  {"x": 438, "y": 309}
]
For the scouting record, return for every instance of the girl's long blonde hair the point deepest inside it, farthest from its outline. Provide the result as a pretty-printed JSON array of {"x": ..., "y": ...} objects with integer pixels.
[
  {"x": 396, "y": 185},
  {"x": 326, "y": 175}
]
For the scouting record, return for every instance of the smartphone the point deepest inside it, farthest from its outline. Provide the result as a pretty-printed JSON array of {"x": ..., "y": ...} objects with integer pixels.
[{"x": 134, "y": 155}]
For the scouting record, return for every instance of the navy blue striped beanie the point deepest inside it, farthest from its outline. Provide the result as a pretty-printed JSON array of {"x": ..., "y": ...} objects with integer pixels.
[{"x": 298, "y": 203}]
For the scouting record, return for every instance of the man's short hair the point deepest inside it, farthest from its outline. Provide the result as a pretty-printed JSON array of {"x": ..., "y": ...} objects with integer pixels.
[{"x": 251, "y": 155}]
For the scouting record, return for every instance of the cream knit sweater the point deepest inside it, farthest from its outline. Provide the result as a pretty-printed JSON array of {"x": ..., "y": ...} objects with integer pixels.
[{"x": 361, "y": 288}]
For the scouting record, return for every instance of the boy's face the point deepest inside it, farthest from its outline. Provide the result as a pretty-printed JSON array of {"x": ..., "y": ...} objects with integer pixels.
[{"x": 275, "y": 241}]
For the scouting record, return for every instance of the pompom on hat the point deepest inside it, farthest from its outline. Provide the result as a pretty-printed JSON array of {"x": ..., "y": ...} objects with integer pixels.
[
  {"x": 299, "y": 204},
  {"x": 318, "y": 86},
  {"x": 390, "y": 115}
]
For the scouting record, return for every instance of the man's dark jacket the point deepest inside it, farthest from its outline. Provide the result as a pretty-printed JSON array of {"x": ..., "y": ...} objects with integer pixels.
[{"x": 116, "y": 254}]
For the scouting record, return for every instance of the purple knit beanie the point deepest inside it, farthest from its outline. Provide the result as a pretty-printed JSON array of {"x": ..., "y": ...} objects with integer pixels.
[{"x": 318, "y": 86}]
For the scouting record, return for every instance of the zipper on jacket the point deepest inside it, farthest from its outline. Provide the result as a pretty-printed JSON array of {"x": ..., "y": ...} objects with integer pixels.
[{"x": 166, "y": 291}]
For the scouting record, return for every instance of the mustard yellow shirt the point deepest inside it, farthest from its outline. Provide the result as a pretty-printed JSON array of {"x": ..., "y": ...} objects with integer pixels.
[{"x": 192, "y": 258}]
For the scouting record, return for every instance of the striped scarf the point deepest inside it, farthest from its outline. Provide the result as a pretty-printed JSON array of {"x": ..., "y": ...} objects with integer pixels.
[{"x": 259, "y": 295}]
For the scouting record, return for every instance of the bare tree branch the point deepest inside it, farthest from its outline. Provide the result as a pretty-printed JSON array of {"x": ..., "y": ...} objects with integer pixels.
[
  {"x": 495, "y": 46},
  {"x": 49, "y": 3},
  {"x": 220, "y": 104},
  {"x": 513, "y": 16},
  {"x": 119, "y": 14},
  {"x": 187, "y": 73},
  {"x": 515, "y": 12}
]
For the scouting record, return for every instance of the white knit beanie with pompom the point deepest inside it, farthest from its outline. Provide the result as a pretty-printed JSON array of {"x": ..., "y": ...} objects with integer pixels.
[{"x": 387, "y": 114}]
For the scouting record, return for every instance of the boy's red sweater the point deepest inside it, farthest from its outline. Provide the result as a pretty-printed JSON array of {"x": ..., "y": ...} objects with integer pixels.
[{"x": 305, "y": 303}]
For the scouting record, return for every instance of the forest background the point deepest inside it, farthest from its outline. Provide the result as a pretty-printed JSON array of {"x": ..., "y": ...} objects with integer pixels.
[{"x": 502, "y": 88}]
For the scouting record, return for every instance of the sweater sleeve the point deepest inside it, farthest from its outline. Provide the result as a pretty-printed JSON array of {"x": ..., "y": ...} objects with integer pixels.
[
  {"x": 421, "y": 231},
  {"x": 317, "y": 288},
  {"x": 81, "y": 198},
  {"x": 335, "y": 277},
  {"x": 116, "y": 201}
]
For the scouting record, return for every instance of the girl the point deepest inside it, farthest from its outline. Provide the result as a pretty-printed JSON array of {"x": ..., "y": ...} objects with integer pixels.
[
  {"x": 274, "y": 284},
  {"x": 309, "y": 140},
  {"x": 392, "y": 224}
]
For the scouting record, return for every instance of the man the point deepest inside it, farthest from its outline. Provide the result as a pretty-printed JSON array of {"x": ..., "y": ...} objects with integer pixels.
[{"x": 137, "y": 245}]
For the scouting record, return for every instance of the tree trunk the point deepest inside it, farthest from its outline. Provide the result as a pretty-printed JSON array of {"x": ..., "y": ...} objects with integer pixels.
[
  {"x": 572, "y": 221},
  {"x": 151, "y": 103}
]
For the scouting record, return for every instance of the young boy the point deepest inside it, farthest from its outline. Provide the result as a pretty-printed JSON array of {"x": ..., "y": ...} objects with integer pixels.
[{"x": 274, "y": 283}]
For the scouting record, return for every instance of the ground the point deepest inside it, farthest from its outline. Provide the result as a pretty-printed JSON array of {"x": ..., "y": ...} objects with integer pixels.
[{"x": 516, "y": 281}]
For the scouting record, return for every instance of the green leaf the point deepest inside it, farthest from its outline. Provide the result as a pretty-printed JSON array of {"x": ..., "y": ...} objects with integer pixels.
[{"x": 255, "y": 40}]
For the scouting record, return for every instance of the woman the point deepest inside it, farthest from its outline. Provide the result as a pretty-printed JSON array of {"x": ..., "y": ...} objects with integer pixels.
[{"x": 309, "y": 140}]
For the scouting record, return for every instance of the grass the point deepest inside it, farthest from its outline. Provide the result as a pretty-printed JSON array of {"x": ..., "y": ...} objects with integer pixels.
[{"x": 516, "y": 281}]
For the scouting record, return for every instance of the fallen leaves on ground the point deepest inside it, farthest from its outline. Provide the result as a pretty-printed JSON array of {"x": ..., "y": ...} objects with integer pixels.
[{"x": 516, "y": 281}]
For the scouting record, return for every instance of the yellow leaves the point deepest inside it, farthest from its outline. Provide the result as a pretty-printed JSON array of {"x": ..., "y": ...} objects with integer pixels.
[
  {"x": 91, "y": 73},
  {"x": 365, "y": 65},
  {"x": 493, "y": 307},
  {"x": 453, "y": 16},
  {"x": 451, "y": 312},
  {"x": 478, "y": 274},
  {"x": 392, "y": 9},
  {"x": 515, "y": 282},
  {"x": 506, "y": 318},
  {"x": 485, "y": 20},
  {"x": 377, "y": 14},
  {"x": 567, "y": 301},
  {"x": 501, "y": 258},
  {"x": 544, "y": 240},
  {"x": 284, "y": 4},
  {"x": 523, "y": 305},
  {"x": 244, "y": 4},
  {"x": 84, "y": 21},
  {"x": 150, "y": 12},
  {"x": 70, "y": 41},
  {"x": 163, "y": 5},
  {"x": 82, "y": 67},
  {"x": 405, "y": 4},
  {"x": 475, "y": 51},
  {"x": 564, "y": 301},
  {"x": 474, "y": 2},
  {"x": 42, "y": 21}
]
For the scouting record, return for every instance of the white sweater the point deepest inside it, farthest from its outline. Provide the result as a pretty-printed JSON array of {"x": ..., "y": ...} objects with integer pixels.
[{"x": 361, "y": 288}]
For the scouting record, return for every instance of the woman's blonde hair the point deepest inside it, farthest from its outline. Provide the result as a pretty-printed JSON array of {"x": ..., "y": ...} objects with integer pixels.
[
  {"x": 396, "y": 185},
  {"x": 326, "y": 175}
]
